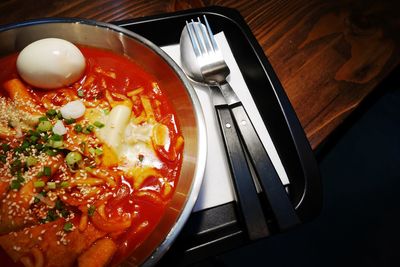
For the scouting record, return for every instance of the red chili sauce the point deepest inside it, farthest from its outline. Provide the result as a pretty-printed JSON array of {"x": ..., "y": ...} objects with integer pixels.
[{"x": 96, "y": 208}]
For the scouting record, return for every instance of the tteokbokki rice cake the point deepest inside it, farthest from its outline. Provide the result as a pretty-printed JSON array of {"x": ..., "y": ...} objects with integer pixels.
[{"x": 91, "y": 150}]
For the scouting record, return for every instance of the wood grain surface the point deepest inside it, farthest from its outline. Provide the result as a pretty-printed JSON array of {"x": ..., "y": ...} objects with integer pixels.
[{"x": 329, "y": 55}]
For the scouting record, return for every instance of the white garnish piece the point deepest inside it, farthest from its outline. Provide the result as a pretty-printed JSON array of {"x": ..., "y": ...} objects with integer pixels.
[
  {"x": 59, "y": 128},
  {"x": 73, "y": 110}
]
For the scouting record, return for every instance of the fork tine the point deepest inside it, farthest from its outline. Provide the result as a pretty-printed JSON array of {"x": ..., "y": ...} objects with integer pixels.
[
  {"x": 210, "y": 34},
  {"x": 201, "y": 37},
  {"x": 193, "y": 40},
  {"x": 198, "y": 36},
  {"x": 206, "y": 38}
]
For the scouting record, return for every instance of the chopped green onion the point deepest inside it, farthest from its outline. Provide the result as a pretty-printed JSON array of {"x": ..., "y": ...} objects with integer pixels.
[
  {"x": 51, "y": 185},
  {"x": 82, "y": 146},
  {"x": 59, "y": 204},
  {"x": 31, "y": 161},
  {"x": 64, "y": 184},
  {"x": 98, "y": 124},
  {"x": 51, "y": 215},
  {"x": 80, "y": 93},
  {"x": 51, "y": 152},
  {"x": 44, "y": 126},
  {"x": 5, "y": 147},
  {"x": 18, "y": 150},
  {"x": 20, "y": 178},
  {"x": 68, "y": 226},
  {"x": 91, "y": 210},
  {"x": 33, "y": 138},
  {"x": 38, "y": 183},
  {"x": 64, "y": 213},
  {"x": 44, "y": 136},
  {"x": 51, "y": 113},
  {"x": 3, "y": 158},
  {"x": 56, "y": 144},
  {"x": 88, "y": 169},
  {"x": 98, "y": 151},
  {"x": 16, "y": 163},
  {"x": 25, "y": 144},
  {"x": 46, "y": 171},
  {"x": 15, "y": 185},
  {"x": 56, "y": 137},
  {"x": 35, "y": 133},
  {"x": 73, "y": 158},
  {"x": 39, "y": 147},
  {"x": 88, "y": 129},
  {"x": 78, "y": 128},
  {"x": 15, "y": 166},
  {"x": 69, "y": 121},
  {"x": 43, "y": 119},
  {"x": 39, "y": 196},
  {"x": 91, "y": 150}
]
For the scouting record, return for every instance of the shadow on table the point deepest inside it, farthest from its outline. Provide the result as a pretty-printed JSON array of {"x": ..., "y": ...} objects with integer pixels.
[{"x": 360, "y": 221}]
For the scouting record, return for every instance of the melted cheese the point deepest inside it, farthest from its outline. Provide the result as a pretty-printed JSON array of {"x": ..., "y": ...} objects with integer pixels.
[
  {"x": 139, "y": 154},
  {"x": 138, "y": 133},
  {"x": 130, "y": 142}
]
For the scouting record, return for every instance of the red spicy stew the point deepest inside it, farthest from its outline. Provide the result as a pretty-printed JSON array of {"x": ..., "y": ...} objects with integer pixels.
[{"x": 84, "y": 191}]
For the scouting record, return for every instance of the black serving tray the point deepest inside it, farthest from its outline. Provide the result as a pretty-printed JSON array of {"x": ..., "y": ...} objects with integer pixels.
[{"x": 217, "y": 229}]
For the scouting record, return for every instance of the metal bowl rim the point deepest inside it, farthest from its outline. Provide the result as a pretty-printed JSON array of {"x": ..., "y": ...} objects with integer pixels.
[{"x": 200, "y": 122}]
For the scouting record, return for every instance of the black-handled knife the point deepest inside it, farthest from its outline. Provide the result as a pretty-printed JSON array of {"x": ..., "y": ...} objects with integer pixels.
[
  {"x": 246, "y": 193},
  {"x": 279, "y": 201}
]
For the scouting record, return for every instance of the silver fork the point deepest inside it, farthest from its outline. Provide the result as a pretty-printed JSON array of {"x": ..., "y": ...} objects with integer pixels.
[{"x": 212, "y": 70}]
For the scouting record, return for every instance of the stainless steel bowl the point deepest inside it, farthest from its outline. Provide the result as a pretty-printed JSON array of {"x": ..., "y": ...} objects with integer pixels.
[{"x": 173, "y": 82}]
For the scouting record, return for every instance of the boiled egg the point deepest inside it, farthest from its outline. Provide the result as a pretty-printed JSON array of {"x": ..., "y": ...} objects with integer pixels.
[{"x": 51, "y": 63}]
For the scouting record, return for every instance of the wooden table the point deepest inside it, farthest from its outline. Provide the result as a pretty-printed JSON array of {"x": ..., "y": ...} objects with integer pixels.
[{"x": 329, "y": 55}]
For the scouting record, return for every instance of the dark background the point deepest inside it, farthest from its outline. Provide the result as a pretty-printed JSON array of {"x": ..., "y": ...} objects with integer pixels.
[{"x": 359, "y": 224}]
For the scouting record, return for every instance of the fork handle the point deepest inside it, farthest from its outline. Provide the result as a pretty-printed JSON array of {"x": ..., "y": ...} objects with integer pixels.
[
  {"x": 246, "y": 193},
  {"x": 271, "y": 184}
]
